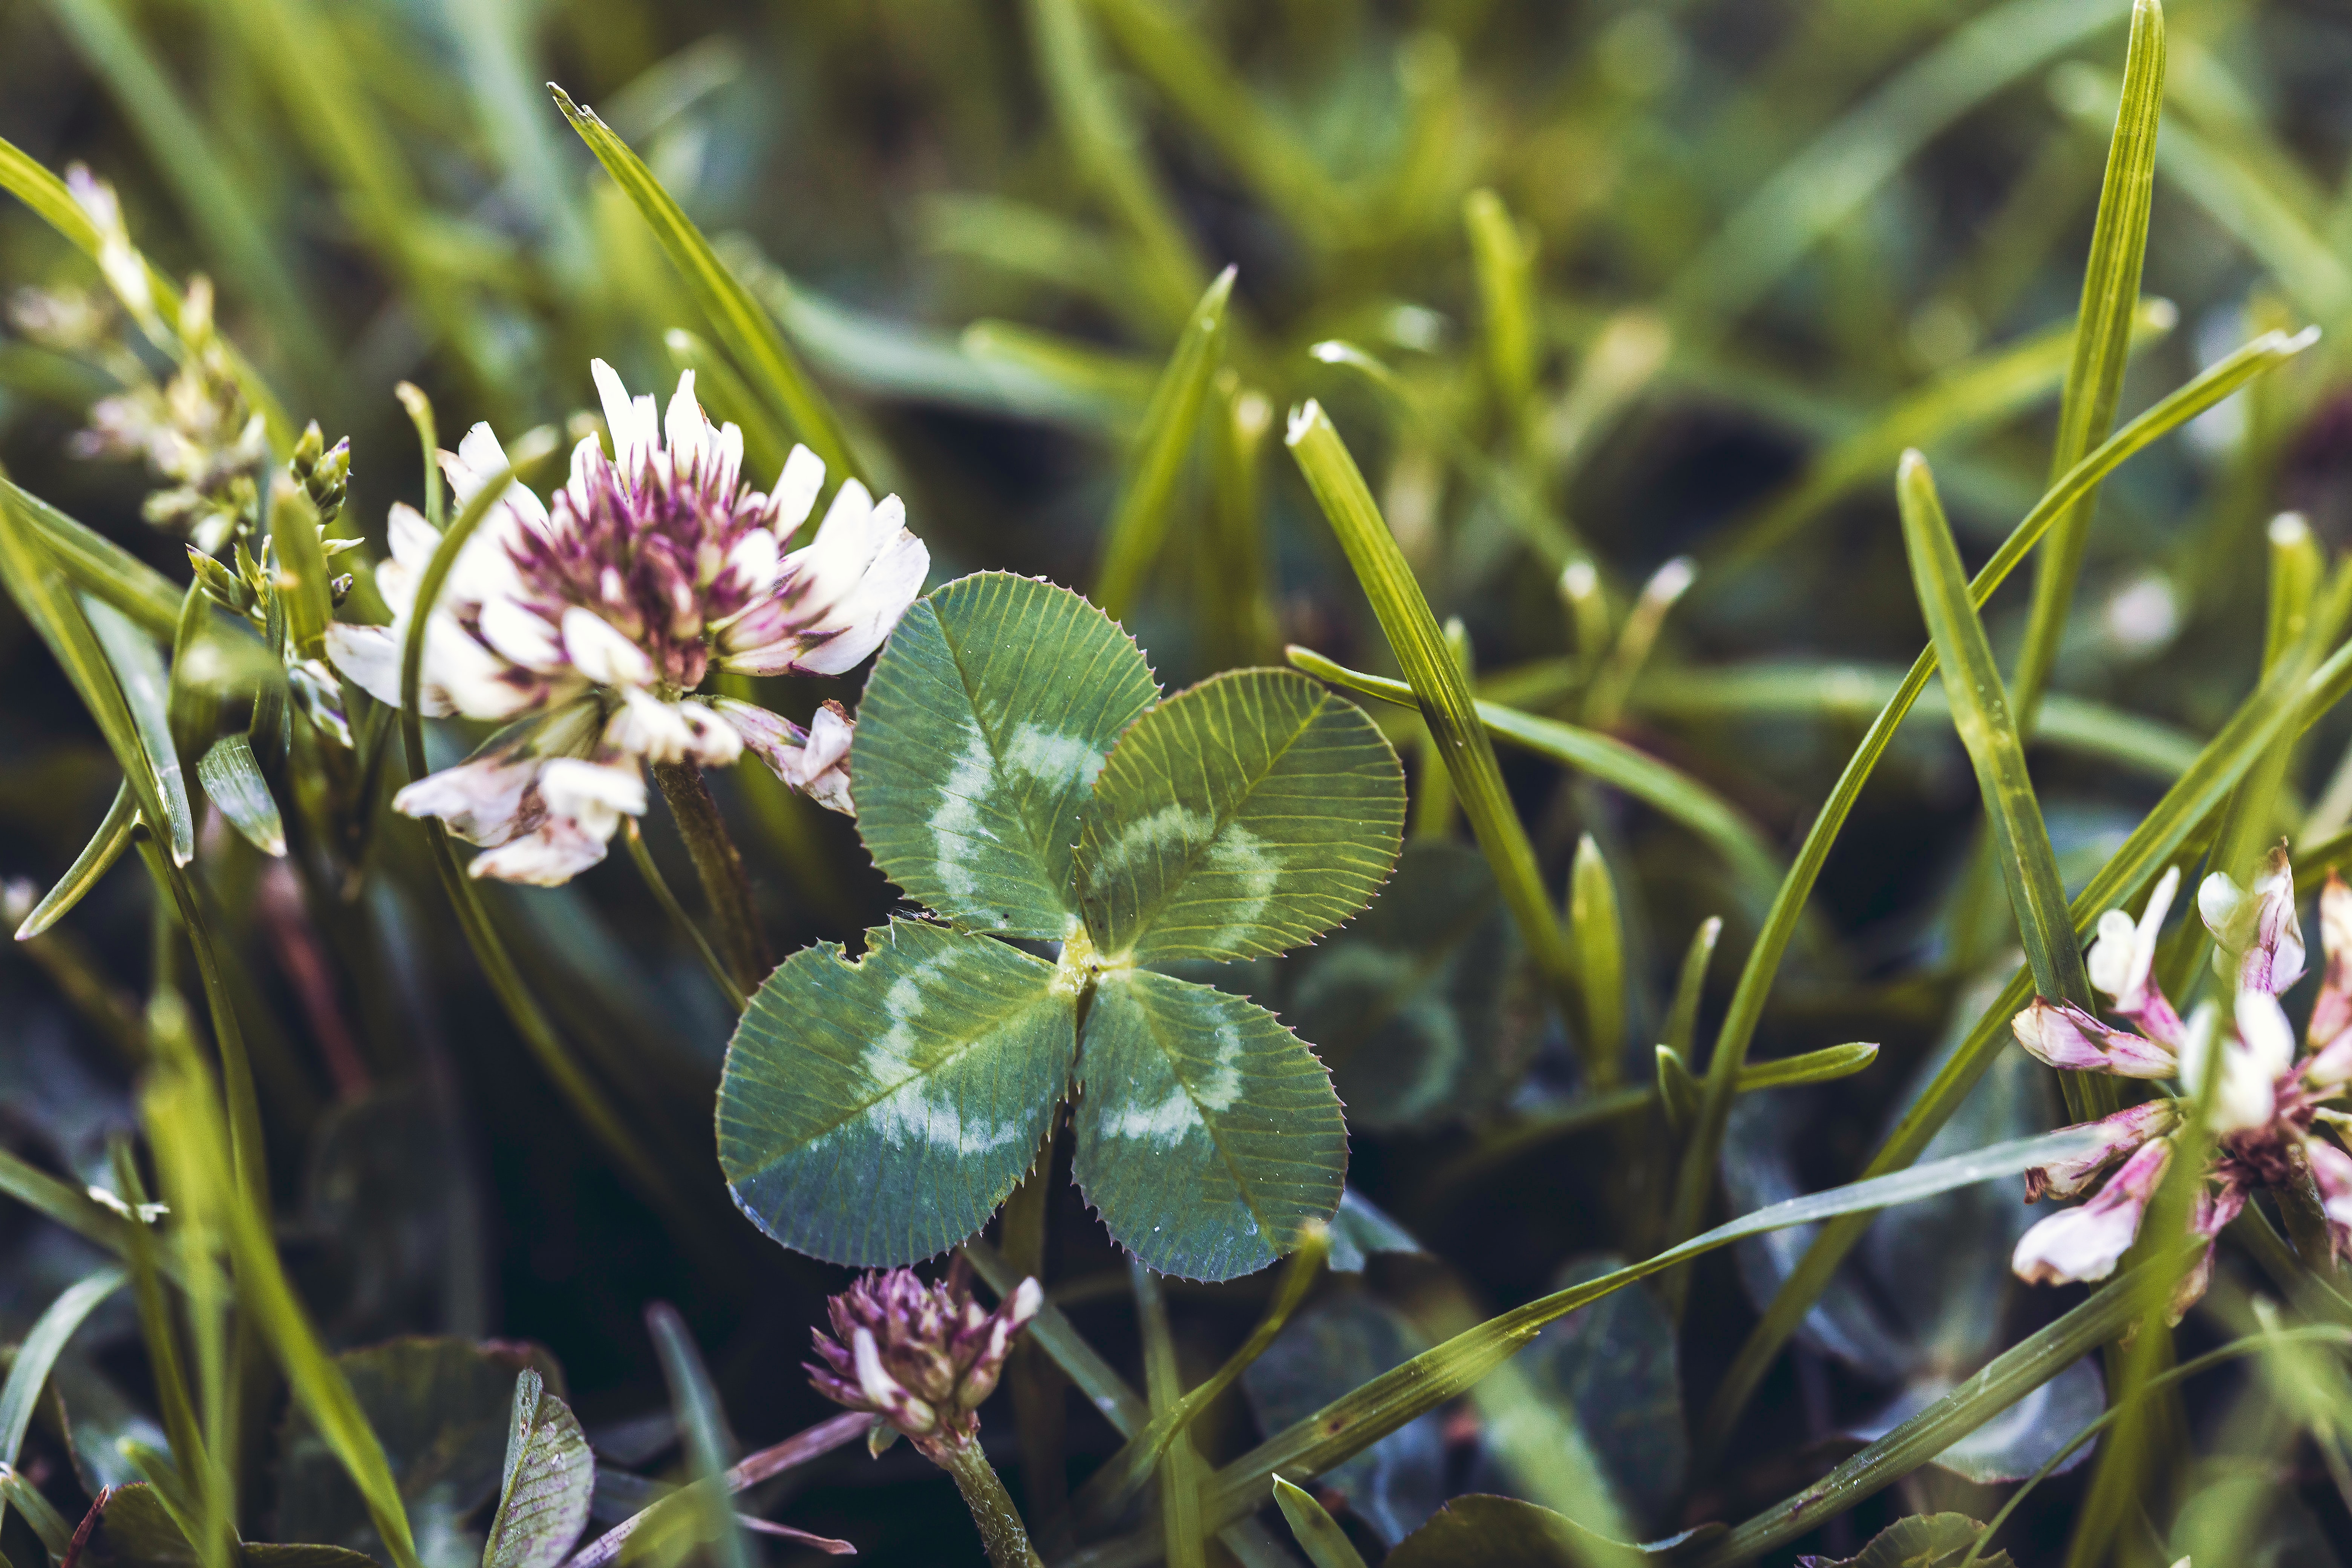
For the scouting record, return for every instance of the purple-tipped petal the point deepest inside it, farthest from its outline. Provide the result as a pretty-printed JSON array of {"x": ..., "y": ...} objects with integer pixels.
[
  {"x": 2065, "y": 1036},
  {"x": 2256, "y": 928},
  {"x": 2086, "y": 1242},
  {"x": 2120, "y": 1134}
]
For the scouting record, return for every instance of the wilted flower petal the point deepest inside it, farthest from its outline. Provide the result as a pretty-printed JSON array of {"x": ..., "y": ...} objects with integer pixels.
[
  {"x": 814, "y": 761},
  {"x": 2120, "y": 1134},
  {"x": 2086, "y": 1242},
  {"x": 2064, "y": 1036},
  {"x": 2256, "y": 928}
]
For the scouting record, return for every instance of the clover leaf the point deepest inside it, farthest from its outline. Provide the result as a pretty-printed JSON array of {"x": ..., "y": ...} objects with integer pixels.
[{"x": 1016, "y": 772}]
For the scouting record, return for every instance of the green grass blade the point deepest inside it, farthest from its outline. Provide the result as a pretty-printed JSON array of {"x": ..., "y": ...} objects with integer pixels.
[
  {"x": 702, "y": 1422},
  {"x": 1970, "y": 396},
  {"x": 741, "y": 326},
  {"x": 216, "y": 201},
  {"x": 66, "y": 1206},
  {"x": 1746, "y": 1008},
  {"x": 718, "y": 387},
  {"x": 1657, "y": 784},
  {"x": 1597, "y": 932},
  {"x": 233, "y": 781},
  {"x": 2009, "y": 1376},
  {"x": 2293, "y": 696},
  {"x": 1439, "y": 688},
  {"x": 1503, "y": 256},
  {"x": 1254, "y": 144},
  {"x": 37, "y": 1352},
  {"x": 1980, "y": 712},
  {"x": 588, "y": 1102},
  {"x": 1824, "y": 185},
  {"x": 1139, "y": 524},
  {"x": 1319, "y": 1535},
  {"x": 97, "y": 857},
  {"x": 145, "y": 686},
  {"x": 173, "y": 1399},
  {"x": 1811, "y": 1066},
  {"x": 1690, "y": 986},
  {"x": 100, "y": 567},
  {"x": 1107, "y": 148},
  {"x": 1179, "y": 1467},
  {"x": 2103, "y": 331}
]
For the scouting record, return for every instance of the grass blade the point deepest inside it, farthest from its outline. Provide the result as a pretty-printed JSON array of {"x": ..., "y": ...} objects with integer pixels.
[
  {"x": 2103, "y": 331},
  {"x": 1980, "y": 712},
  {"x": 1139, "y": 524},
  {"x": 139, "y": 673},
  {"x": 101, "y": 568},
  {"x": 1746, "y": 1009},
  {"x": 97, "y": 857},
  {"x": 2290, "y": 698},
  {"x": 66, "y": 1206},
  {"x": 1319, "y": 1535},
  {"x": 2007, "y": 1378},
  {"x": 233, "y": 781},
  {"x": 1809, "y": 1067},
  {"x": 39, "y": 1352},
  {"x": 1672, "y": 794},
  {"x": 709, "y": 1447},
  {"x": 1180, "y": 1466},
  {"x": 1503, "y": 256},
  {"x": 1597, "y": 932},
  {"x": 741, "y": 326},
  {"x": 1439, "y": 689}
]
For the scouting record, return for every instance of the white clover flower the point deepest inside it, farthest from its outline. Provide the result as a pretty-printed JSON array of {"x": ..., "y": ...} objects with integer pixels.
[{"x": 594, "y": 621}]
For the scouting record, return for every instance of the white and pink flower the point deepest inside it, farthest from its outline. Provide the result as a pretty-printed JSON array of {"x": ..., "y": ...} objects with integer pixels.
[
  {"x": 592, "y": 624},
  {"x": 2264, "y": 1104}
]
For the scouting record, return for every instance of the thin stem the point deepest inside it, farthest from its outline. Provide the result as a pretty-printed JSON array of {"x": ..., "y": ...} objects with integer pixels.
[
  {"x": 1039, "y": 1418},
  {"x": 644, "y": 856},
  {"x": 1001, "y": 1530},
  {"x": 724, "y": 881}
]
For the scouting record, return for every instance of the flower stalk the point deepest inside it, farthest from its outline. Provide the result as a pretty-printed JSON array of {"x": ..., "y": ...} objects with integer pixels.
[{"x": 742, "y": 944}]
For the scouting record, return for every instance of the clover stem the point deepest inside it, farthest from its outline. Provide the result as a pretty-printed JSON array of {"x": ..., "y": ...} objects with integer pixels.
[
  {"x": 724, "y": 882},
  {"x": 1001, "y": 1530}
]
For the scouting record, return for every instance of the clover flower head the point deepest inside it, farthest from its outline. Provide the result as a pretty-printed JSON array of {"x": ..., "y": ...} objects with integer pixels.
[
  {"x": 922, "y": 1357},
  {"x": 2264, "y": 1102},
  {"x": 592, "y": 622}
]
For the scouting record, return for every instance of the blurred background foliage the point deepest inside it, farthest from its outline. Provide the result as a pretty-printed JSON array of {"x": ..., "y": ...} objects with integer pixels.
[{"x": 1590, "y": 286}]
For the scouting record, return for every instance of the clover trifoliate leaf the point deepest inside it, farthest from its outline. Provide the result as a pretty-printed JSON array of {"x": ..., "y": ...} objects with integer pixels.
[
  {"x": 981, "y": 729},
  {"x": 873, "y": 1113},
  {"x": 1207, "y": 1134},
  {"x": 1247, "y": 815}
]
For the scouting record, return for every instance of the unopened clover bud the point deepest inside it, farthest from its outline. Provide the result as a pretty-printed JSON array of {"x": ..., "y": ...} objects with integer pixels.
[{"x": 921, "y": 1357}]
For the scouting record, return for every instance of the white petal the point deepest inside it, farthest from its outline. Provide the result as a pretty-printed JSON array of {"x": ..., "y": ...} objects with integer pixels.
[
  {"x": 602, "y": 654},
  {"x": 644, "y": 726},
  {"x": 479, "y": 682},
  {"x": 797, "y": 489},
  {"x": 414, "y": 540},
  {"x": 755, "y": 561},
  {"x": 480, "y": 800},
  {"x": 521, "y": 635},
  {"x": 685, "y": 426},
  {"x": 559, "y": 850},
  {"x": 864, "y": 617},
  {"x": 369, "y": 657},
  {"x": 844, "y": 545},
  {"x": 594, "y": 792},
  {"x": 716, "y": 743}
]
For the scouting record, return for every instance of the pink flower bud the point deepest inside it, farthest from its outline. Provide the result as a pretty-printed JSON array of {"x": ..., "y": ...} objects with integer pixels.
[
  {"x": 922, "y": 1357},
  {"x": 2063, "y": 1036},
  {"x": 2257, "y": 927}
]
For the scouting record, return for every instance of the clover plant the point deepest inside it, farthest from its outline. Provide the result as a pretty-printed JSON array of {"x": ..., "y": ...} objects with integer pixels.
[{"x": 1017, "y": 771}]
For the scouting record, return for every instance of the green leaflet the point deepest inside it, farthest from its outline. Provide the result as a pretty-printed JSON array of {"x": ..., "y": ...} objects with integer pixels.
[
  {"x": 1207, "y": 1134},
  {"x": 1245, "y": 817},
  {"x": 544, "y": 1490},
  {"x": 982, "y": 728},
  {"x": 877, "y": 1111}
]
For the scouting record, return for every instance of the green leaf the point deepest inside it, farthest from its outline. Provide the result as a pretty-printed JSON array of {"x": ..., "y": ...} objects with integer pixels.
[
  {"x": 1600, "y": 939},
  {"x": 1980, "y": 712},
  {"x": 1504, "y": 258},
  {"x": 232, "y": 780},
  {"x": 1349, "y": 1338},
  {"x": 1242, "y": 818},
  {"x": 544, "y": 1490},
  {"x": 1420, "y": 1008},
  {"x": 39, "y": 1350},
  {"x": 1611, "y": 1367},
  {"x": 1319, "y": 1535},
  {"x": 441, "y": 1409},
  {"x": 140, "y": 675},
  {"x": 703, "y": 1423},
  {"x": 1208, "y": 1134},
  {"x": 1922, "y": 1540},
  {"x": 982, "y": 728},
  {"x": 1829, "y": 1063},
  {"x": 1484, "y": 1532},
  {"x": 97, "y": 857},
  {"x": 740, "y": 325},
  {"x": 131, "y": 1528},
  {"x": 875, "y": 1112},
  {"x": 1139, "y": 524}
]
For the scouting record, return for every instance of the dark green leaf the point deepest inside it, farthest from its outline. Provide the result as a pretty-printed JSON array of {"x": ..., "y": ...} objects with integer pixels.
[
  {"x": 1245, "y": 817},
  {"x": 1207, "y": 1134},
  {"x": 1483, "y": 1531},
  {"x": 546, "y": 1484},
  {"x": 1612, "y": 1366},
  {"x": 982, "y": 727},
  {"x": 131, "y": 1528},
  {"x": 1420, "y": 1008},
  {"x": 1922, "y": 1540},
  {"x": 1397, "y": 1482},
  {"x": 440, "y": 1408},
  {"x": 875, "y": 1112},
  {"x": 1360, "y": 1228},
  {"x": 100, "y": 567}
]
